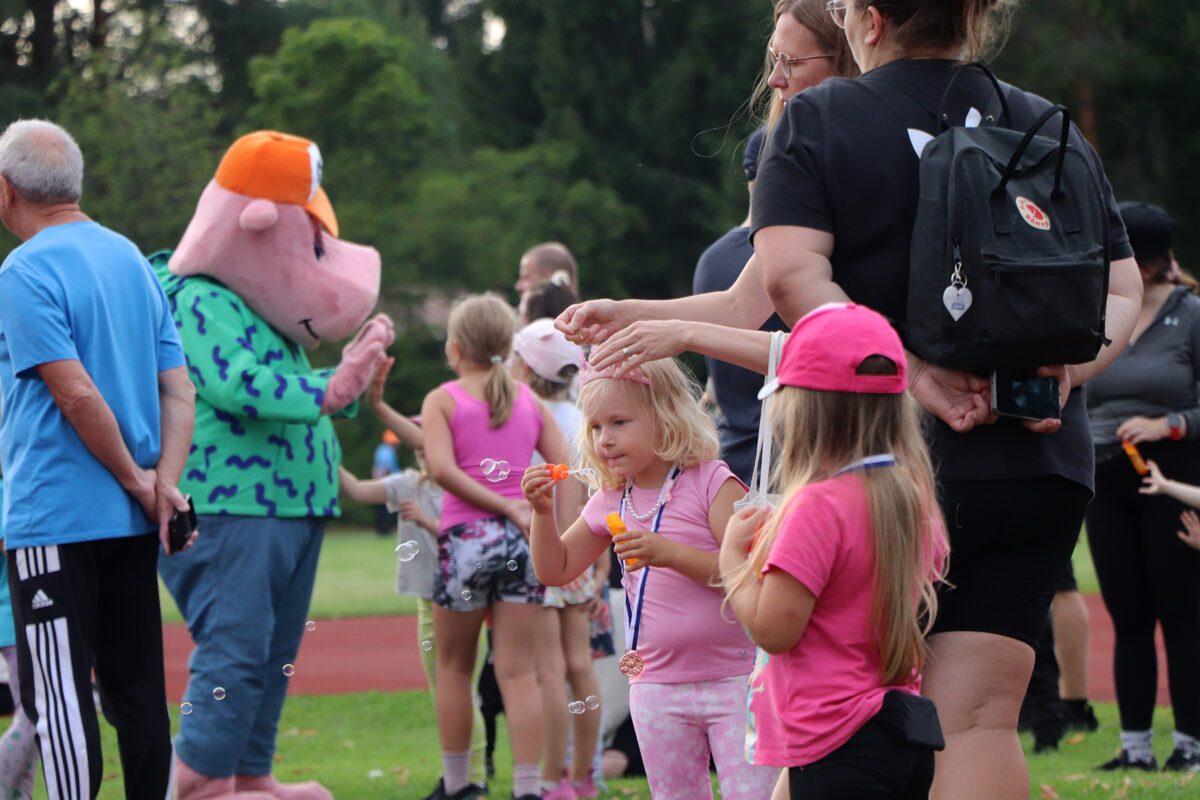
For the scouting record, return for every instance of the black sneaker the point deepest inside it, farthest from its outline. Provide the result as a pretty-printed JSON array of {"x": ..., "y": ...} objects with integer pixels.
[
  {"x": 1182, "y": 761},
  {"x": 1080, "y": 716},
  {"x": 1045, "y": 746},
  {"x": 527, "y": 797},
  {"x": 1124, "y": 761},
  {"x": 468, "y": 792}
]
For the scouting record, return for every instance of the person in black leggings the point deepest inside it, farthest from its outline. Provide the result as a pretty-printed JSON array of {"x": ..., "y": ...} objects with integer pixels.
[{"x": 1147, "y": 574}]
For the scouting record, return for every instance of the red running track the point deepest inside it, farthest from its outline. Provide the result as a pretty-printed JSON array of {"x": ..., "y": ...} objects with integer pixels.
[{"x": 342, "y": 656}]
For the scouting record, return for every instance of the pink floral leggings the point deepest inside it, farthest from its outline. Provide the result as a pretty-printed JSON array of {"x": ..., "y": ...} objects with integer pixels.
[{"x": 679, "y": 724}]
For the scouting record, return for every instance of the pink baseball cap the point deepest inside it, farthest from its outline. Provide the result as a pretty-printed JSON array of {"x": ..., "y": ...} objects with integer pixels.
[
  {"x": 827, "y": 346},
  {"x": 547, "y": 352}
]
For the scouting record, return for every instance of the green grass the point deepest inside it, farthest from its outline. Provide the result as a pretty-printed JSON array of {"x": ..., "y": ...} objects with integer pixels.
[
  {"x": 376, "y": 745},
  {"x": 384, "y": 745}
]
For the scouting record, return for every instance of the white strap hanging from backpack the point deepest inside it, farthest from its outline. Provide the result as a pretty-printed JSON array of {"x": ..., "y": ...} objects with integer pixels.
[{"x": 760, "y": 478}]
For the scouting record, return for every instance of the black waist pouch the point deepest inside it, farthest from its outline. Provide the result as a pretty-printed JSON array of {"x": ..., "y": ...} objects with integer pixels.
[{"x": 912, "y": 719}]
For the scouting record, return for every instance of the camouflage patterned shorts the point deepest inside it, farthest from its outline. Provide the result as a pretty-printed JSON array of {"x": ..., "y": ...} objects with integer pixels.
[{"x": 483, "y": 562}]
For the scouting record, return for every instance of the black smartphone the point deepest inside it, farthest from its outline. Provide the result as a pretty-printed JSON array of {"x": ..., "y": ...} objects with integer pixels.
[
  {"x": 1024, "y": 396},
  {"x": 180, "y": 527}
]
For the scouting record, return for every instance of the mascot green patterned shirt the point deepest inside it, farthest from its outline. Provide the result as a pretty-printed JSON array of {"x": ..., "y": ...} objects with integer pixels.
[{"x": 261, "y": 447}]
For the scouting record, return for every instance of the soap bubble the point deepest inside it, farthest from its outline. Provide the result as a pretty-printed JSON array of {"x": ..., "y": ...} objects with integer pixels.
[
  {"x": 407, "y": 551},
  {"x": 576, "y": 707},
  {"x": 466, "y": 594},
  {"x": 495, "y": 470},
  {"x": 288, "y": 669},
  {"x": 185, "y": 708},
  {"x": 426, "y": 645},
  {"x": 512, "y": 565},
  {"x": 218, "y": 693},
  {"x": 310, "y": 626},
  {"x": 592, "y": 702}
]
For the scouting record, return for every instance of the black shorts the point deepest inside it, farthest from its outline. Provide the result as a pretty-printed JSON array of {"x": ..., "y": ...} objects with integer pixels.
[{"x": 1010, "y": 544}]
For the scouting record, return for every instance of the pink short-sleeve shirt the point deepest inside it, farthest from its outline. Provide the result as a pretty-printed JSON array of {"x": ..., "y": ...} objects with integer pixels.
[
  {"x": 684, "y": 636},
  {"x": 809, "y": 701}
]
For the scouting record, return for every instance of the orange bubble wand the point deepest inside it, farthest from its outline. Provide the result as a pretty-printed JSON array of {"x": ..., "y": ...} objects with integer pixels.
[
  {"x": 616, "y": 527},
  {"x": 1135, "y": 457}
]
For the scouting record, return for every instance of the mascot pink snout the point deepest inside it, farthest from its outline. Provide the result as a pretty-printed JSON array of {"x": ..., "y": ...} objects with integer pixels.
[{"x": 279, "y": 259}]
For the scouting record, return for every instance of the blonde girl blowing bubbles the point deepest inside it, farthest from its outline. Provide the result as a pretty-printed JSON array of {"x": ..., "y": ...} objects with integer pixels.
[
  {"x": 834, "y": 695},
  {"x": 654, "y": 455}
]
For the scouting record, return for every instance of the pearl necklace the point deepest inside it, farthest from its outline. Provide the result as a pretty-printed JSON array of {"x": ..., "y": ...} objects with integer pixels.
[{"x": 663, "y": 496}]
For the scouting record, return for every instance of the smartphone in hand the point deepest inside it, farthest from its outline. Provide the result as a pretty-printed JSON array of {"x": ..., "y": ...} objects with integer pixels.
[
  {"x": 1024, "y": 396},
  {"x": 180, "y": 527}
]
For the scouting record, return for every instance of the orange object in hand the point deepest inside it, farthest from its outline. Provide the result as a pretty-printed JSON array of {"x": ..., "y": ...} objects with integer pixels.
[
  {"x": 1135, "y": 457},
  {"x": 559, "y": 472},
  {"x": 616, "y": 526}
]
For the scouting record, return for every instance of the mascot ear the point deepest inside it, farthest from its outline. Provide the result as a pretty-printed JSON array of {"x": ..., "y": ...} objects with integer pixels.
[{"x": 258, "y": 216}]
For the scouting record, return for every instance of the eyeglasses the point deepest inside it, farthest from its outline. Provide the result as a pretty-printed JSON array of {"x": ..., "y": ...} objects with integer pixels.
[
  {"x": 785, "y": 61},
  {"x": 837, "y": 9}
]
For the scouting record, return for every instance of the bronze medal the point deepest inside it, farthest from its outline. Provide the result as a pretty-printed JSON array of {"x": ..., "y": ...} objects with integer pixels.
[{"x": 631, "y": 663}]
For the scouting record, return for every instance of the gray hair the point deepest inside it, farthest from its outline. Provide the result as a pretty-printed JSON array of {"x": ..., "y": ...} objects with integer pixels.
[{"x": 42, "y": 162}]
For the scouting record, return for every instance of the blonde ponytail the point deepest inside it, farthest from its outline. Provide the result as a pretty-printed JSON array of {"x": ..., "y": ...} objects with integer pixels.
[{"x": 483, "y": 327}]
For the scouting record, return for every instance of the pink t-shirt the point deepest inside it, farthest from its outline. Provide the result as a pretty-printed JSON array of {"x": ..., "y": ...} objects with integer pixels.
[
  {"x": 683, "y": 637},
  {"x": 474, "y": 440},
  {"x": 809, "y": 701}
]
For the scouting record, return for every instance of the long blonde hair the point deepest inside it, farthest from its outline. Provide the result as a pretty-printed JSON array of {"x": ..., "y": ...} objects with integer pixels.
[
  {"x": 765, "y": 102},
  {"x": 683, "y": 433},
  {"x": 821, "y": 432},
  {"x": 483, "y": 326}
]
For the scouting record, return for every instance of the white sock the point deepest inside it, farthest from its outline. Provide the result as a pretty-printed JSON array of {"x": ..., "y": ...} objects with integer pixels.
[
  {"x": 1188, "y": 744},
  {"x": 548, "y": 786},
  {"x": 526, "y": 779},
  {"x": 1139, "y": 744},
  {"x": 454, "y": 771}
]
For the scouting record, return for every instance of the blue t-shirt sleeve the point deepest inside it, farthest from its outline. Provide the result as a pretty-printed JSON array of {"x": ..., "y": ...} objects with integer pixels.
[
  {"x": 170, "y": 349},
  {"x": 35, "y": 320}
]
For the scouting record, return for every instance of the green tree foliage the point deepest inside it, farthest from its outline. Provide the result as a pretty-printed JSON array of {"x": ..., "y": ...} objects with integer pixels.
[
  {"x": 370, "y": 115},
  {"x": 649, "y": 93}
]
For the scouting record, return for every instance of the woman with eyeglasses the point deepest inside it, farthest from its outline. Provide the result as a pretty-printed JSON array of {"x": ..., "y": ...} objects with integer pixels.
[{"x": 833, "y": 211}]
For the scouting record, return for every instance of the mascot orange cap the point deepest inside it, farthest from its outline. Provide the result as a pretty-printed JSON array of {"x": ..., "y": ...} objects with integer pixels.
[{"x": 279, "y": 167}]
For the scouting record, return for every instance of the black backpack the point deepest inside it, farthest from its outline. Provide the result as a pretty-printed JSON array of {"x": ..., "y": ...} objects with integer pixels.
[{"x": 1010, "y": 253}]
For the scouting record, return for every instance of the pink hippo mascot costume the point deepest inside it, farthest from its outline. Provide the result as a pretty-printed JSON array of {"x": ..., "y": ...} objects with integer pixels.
[{"x": 258, "y": 277}]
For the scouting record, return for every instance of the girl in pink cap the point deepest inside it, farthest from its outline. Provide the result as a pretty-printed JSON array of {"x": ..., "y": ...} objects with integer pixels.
[
  {"x": 654, "y": 453},
  {"x": 837, "y": 589}
]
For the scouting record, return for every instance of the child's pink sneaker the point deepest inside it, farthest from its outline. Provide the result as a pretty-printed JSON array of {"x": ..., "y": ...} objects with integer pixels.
[
  {"x": 564, "y": 791},
  {"x": 586, "y": 789}
]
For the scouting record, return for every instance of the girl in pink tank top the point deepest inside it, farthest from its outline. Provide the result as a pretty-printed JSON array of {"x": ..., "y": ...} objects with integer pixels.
[
  {"x": 483, "y": 556},
  {"x": 654, "y": 453}
]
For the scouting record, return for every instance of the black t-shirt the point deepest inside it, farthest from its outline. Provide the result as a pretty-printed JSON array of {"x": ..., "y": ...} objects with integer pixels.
[
  {"x": 736, "y": 387},
  {"x": 840, "y": 160}
]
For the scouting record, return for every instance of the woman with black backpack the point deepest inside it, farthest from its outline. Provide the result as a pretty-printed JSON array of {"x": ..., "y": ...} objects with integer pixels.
[{"x": 834, "y": 212}]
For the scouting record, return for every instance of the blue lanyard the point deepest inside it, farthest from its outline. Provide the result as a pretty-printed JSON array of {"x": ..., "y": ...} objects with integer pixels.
[
  {"x": 630, "y": 615},
  {"x": 870, "y": 462}
]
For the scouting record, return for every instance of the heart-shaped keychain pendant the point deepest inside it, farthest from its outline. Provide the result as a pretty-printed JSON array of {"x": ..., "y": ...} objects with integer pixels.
[{"x": 957, "y": 300}]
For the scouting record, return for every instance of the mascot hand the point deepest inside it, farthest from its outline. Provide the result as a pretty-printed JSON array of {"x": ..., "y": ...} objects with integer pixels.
[{"x": 360, "y": 359}]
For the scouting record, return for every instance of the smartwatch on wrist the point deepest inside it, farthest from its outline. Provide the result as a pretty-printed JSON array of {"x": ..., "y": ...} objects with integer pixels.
[{"x": 1175, "y": 426}]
